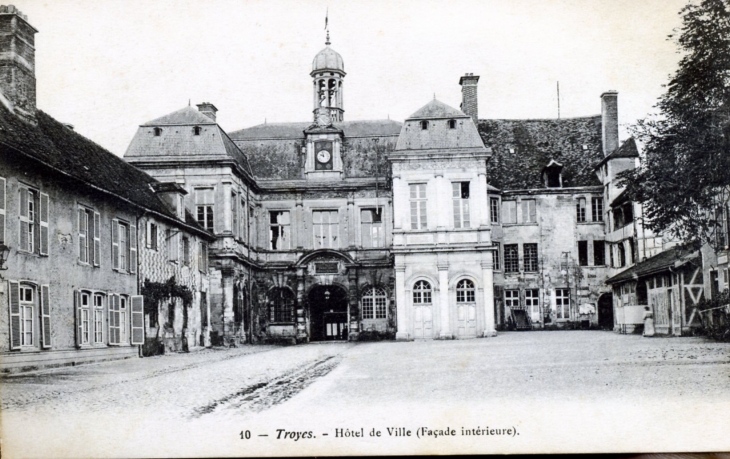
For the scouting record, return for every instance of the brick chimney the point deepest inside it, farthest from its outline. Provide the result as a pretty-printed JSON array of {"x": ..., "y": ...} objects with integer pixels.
[
  {"x": 17, "y": 62},
  {"x": 469, "y": 100},
  {"x": 208, "y": 109},
  {"x": 609, "y": 121}
]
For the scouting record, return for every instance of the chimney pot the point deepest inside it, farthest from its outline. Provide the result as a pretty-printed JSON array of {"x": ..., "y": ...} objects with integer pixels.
[
  {"x": 609, "y": 121},
  {"x": 469, "y": 101},
  {"x": 208, "y": 109}
]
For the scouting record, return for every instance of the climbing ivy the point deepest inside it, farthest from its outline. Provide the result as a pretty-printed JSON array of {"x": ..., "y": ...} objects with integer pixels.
[{"x": 156, "y": 292}]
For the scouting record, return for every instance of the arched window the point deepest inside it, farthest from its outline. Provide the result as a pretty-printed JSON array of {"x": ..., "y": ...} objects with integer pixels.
[
  {"x": 374, "y": 304},
  {"x": 452, "y": 124},
  {"x": 158, "y": 131},
  {"x": 422, "y": 292},
  {"x": 196, "y": 130},
  {"x": 281, "y": 301},
  {"x": 465, "y": 291},
  {"x": 424, "y": 125}
]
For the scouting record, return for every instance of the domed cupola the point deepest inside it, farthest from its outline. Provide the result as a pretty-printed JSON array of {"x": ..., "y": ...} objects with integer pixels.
[{"x": 328, "y": 70}]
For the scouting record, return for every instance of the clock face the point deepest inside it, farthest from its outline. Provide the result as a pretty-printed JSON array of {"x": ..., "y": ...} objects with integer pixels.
[{"x": 323, "y": 156}]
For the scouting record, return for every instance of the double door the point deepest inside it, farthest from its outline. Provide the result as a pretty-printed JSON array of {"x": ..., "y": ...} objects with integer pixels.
[
  {"x": 423, "y": 322},
  {"x": 466, "y": 320}
]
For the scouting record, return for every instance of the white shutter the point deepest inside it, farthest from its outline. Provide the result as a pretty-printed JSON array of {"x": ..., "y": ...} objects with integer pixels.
[
  {"x": 137, "y": 319},
  {"x": 44, "y": 203},
  {"x": 14, "y": 306},
  {"x": 79, "y": 324},
  {"x": 97, "y": 238},
  {"x": 23, "y": 216},
  {"x": 83, "y": 228},
  {"x": 115, "y": 244},
  {"x": 132, "y": 248},
  {"x": 2, "y": 210},
  {"x": 113, "y": 319},
  {"x": 45, "y": 317}
]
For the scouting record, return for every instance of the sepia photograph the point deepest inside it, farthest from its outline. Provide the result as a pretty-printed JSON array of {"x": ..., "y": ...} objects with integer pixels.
[{"x": 247, "y": 228}]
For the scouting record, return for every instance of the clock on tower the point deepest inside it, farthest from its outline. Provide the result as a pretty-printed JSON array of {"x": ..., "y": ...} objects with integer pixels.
[{"x": 323, "y": 155}]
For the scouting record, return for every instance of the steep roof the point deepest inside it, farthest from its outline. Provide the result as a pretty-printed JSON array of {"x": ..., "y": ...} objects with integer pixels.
[
  {"x": 435, "y": 110},
  {"x": 670, "y": 258},
  {"x": 58, "y": 147},
  {"x": 186, "y": 115},
  {"x": 522, "y": 148},
  {"x": 364, "y": 128},
  {"x": 439, "y": 135},
  {"x": 628, "y": 149}
]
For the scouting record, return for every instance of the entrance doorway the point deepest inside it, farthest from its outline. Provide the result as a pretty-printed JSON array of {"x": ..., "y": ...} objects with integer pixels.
[
  {"x": 328, "y": 313},
  {"x": 605, "y": 311}
]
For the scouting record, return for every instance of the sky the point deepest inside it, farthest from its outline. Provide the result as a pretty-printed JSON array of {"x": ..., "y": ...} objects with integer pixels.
[{"x": 107, "y": 66}]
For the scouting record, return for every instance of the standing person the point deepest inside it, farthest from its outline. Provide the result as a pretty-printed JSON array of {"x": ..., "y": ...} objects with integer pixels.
[{"x": 648, "y": 322}]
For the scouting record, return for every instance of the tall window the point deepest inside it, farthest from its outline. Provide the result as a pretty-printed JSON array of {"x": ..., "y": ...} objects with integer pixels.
[
  {"x": 512, "y": 299},
  {"x": 124, "y": 246},
  {"x": 98, "y": 318},
  {"x": 374, "y": 304},
  {"x": 418, "y": 206},
  {"x": 151, "y": 237},
  {"x": 530, "y": 256},
  {"x": 84, "y": 235},
  {"x": 621, "y": 255},
  {"x": 496, "y": 256},
  {"x": 282, "y": 302},
  {"x": 511, "y": 258},
  {"x": 529, "y": 212},
  {"x": 326, "y": 226},
  {"x": 234, "y": 214},
  {"x": 243, "y": 221},
  {"x": 509, "y": 212},
  {"x": 204, "y": 207},
  {"x": 583, "y": 253},
  {"x": 186, "y": 251},
  {"x": 460, "y": 196},
  {"x": 85, "y": 318},
  {"x": 371, "y": 226},
  {"x": 532, "y": 300},
  {"x": 599, "y": 253},
  {"x": 27, "y": 315},
  {"x": 422, "y": 293},
  {"x": 597, "y": 209},
  {"x": 562, "y": 303},
  {"x": 28, "y": 219},
  {"x": 494, "y": 209},
  {"x": 465, "y": 291},
  {"x": 279, "y": 230},
  {"x": 580, "y": 209}
]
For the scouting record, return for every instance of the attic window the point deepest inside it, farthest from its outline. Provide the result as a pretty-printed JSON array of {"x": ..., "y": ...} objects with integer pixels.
[
  {"x": 452, "y": 124},
  {"x": 158, "y": 131},
  {"x": 196, "y": 130},
  {"x": 585, "y": 147},
  {"x": 553, "y": 177},
  {"x": 424, "y": 125},
  {"x": 511, "y": 150}
]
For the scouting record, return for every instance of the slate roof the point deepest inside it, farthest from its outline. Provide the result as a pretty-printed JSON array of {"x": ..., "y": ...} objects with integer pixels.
[
  {"x": 364, "y": 128},
  {"x": 628, "y": 149},
  {"x": 186, "y": 115},
  {"x": 436, "y": 110},
  {"x": 672, "y": 257},
  {"x": 534, "y": 143},
  {"x": 58, "y": 147}
]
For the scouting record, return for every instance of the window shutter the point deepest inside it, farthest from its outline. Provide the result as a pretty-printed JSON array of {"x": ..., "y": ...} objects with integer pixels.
[
  {"x": 132, "y": 248},
  {"x": 115, "y": 244},
  {"x": 24, "y": 224},
  {"x": 14, "y": 300},
  {"x": 113, "y": 318},
  {"x": 137, "y": 319},
  {"x": 97, "y": 239},
  {"x": 44, "y": 203},
  {"x": 533, "y": 211},
  {"x": 82, "y": 235},
  {"x": 2, "y": 210},
  {"x": 79, "y": 329},
  {"x": 46, "y": 317}
]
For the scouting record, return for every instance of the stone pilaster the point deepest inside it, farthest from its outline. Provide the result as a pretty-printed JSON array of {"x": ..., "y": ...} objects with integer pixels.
[
  {"x": 402, "y": 310},
  {"x": 444, "y": 307},
  {"x": 488, "y": 282}
]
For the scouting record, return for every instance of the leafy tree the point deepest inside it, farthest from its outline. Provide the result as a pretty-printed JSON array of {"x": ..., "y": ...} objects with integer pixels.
[{"x": 685, "y": 173}]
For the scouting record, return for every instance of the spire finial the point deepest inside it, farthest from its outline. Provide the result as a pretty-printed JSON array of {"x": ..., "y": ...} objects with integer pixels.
[
  {"x": 188, "y": 102},
  {"x": 328, "y": 38},
  {"x": 326, "y": 25}
]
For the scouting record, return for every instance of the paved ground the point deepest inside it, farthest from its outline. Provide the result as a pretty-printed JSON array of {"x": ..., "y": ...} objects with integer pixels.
[{"x": 585, "y": 389}]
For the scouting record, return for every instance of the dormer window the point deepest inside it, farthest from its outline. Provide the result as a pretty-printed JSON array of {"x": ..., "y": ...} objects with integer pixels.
[
  {"x": 424, "y": 125},
  {"x": 157, "y": 131},
  {"x": 552, "y": 174},
  {"x": 452, "y": 124},
  {"x": 196, "y": 130}
]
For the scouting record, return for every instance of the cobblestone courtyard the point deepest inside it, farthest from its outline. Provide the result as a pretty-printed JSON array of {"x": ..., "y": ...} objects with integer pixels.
[{"x": 171, "y": 403}]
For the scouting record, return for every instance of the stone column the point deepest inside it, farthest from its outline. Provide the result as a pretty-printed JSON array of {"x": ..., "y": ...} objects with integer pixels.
[
  {"x": 301, "y": 319},
  {"x": 488, "y": 282},
  {"x": 482, "y": 199},
  {"x": 351, "y": 232},
  {"x": 443, "y": 196},
  {"x": 398, "y": 204},
  {"x": 227, "y": 288},
  {"x": 299, "y": 223},
  {"x": 353, "y": 326},
  {"x": 227, "y": 215},
  {"x": 444, "y": 307},
  {"x": 403, "y": 324}
]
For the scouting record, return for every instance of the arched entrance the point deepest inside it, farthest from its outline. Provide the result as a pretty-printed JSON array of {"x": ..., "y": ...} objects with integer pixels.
[
  {"x": 605, "y": 311},
  {"x": 327, "y": 313}
]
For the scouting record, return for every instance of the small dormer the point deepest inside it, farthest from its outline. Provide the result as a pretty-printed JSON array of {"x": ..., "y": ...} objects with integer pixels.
[
  {"x": 552, "y": 175},
  {"x": 172, "y": 194}
]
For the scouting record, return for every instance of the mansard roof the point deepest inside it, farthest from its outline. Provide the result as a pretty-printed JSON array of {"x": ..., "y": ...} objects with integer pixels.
[
  {"x": 364, "y": 128},
  {"x": 521, "y": 148},
  {"x": 186, "y": 115},
  {"x": 437, "y": 110},
  {"x": 628, "y": 149},
  {"x": 56, "y": 146}
]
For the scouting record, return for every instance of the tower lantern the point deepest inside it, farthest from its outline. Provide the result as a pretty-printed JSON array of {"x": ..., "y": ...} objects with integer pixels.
[{"x": 328, "y": 71}]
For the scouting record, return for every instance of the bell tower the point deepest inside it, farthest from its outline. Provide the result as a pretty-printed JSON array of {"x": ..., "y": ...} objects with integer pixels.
[{"x": 328, "y": 71}]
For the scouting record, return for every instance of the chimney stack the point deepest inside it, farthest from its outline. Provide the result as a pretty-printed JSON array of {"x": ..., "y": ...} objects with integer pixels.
[
  {"x": 469, "y": 100},
  {"x": 208, "y": 109},
  {"x": 17, "y": 62},
  {"x": 609, "y": 121}
]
